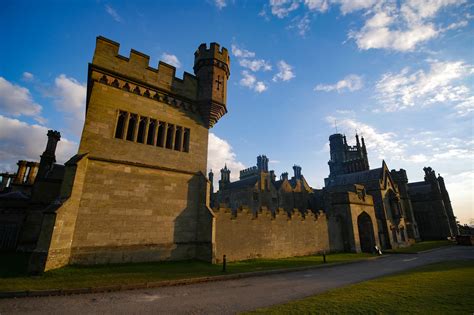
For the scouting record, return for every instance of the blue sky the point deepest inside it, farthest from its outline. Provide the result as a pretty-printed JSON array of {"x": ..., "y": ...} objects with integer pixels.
[{"x": 399, "y": 72}]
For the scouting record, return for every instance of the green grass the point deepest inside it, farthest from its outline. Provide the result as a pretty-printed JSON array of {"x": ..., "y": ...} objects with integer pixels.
[
  {"x": 419, "y": 247},
  {"x": 107, "y": 275},
  {"x": 442, "y": 288}
]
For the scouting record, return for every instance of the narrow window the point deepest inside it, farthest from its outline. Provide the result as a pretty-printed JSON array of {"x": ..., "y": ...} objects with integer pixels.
[
  {"x": 141, "y": 130},
  {"x": 169, "y": 137},
  {"x": 27, "y": 174},
  {"x": 120, "y": 125},
  {"x": 131, "y": 126},
  {"x": 151, "y": 132},
  {"x": 177, "y": 139},
  {"x": 186, "y": 140},
  {"x": 161, "y": 134}
]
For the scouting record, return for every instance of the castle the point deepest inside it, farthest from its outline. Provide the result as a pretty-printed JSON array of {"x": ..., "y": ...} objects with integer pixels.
[{"x": 137, "y": 189}]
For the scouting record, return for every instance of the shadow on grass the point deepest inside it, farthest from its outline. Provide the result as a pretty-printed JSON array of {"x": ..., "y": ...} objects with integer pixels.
[{"x": 133, "y": 273}]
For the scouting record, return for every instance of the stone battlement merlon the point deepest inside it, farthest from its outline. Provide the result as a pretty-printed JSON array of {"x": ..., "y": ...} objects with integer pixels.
[{"x": 136, "y": 66}]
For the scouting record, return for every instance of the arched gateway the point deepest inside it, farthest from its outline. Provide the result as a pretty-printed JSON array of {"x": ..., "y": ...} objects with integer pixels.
[{"x": 366, "y": 233}]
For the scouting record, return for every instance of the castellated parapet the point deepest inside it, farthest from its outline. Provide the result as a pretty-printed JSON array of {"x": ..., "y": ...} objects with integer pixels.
[
  {"x": 245, "y": 235},
  {"x": 136, "y": 67}
]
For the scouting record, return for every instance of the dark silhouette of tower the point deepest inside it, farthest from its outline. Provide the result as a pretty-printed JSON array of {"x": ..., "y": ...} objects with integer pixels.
[{"x": 347, "y": 159}]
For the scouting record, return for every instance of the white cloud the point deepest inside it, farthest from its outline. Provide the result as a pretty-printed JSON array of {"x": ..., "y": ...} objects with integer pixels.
[
  {"x": 317, "y": 5},
  {"x": 70, "y": 98},
  {"x": 401, "y": 28},
  {"x": 260, "y": 87},
  {"x": 348, "y": 6},
  {"x": 420, "y": 88},
  {"x": 220, "y": 153},
  {"x": 250, "y": 81},
  {"x": 27, "y": 76},
  {"x": 388, "y": 24},
  {"x": 351, "y": 82},
  {"x": 301, "y": 24},
  {"x": 255, "y": 64},
  {"x": 241, "y": 53},
  {"x": 281, "y": 8},
  {"x": 220, "y": 4},
  {"x": 285, "y": 72},
  {"x": 113, "y": 13},
  {"x": 16, "y": 100},
  {"x": 22, "y": 141},
  {"x": 171, "y": 59}
]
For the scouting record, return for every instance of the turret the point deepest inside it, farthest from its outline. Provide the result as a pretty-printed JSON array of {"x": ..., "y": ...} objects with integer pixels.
[
  {"x": 48, "y": 158},
  {"x": 357, "y": 141},
  {"x": 262, "y": 163},
  {"x": 297, "y": 171},
  {"x": 211, "y": 179},
  {"x": 225, "y": 177},
  {"x": 212, "y": 68}
]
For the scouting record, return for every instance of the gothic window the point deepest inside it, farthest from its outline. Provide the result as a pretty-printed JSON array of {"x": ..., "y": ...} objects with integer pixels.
[
  {"x": 161, "y": 134},
  {"x": 186, "y": 140},
  {"x": 394, "y": 236},
  {"x": 120, "y": 124},
  {"x": 151, "y": 132},
  {"x": 169, "y": 136},
  {"x": 177, "y": 140},
  {"x": 133, "y": 127},
  {"x": 142, "y": 129},
  {"x": 132, "y": 121}
]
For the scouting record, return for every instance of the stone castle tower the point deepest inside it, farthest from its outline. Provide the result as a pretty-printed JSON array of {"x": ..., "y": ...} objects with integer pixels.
[
  {"x": 137, "y": 189},
  {"x": 347, "y": 159}
]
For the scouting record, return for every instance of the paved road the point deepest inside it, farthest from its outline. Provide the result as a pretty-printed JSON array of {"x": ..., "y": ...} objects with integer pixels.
[{"x": 224, "y": 297}]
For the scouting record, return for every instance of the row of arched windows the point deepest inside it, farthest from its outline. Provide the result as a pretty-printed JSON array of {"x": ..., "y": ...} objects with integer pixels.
[{"x": 146, "y": 130}]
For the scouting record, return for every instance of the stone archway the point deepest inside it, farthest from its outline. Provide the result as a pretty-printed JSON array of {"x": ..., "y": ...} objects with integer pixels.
[{"x": 366, "y": 233}]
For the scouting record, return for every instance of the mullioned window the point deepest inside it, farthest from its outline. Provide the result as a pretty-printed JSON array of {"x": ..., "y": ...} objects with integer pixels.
[{"x": 150, "y": 131}]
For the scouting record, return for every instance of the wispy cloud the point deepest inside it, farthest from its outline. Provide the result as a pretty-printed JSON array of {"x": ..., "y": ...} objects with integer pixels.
[
  {"x": 387, "y": 24},
  {"x": 441, "y": 83},
  {"x": 285, "y": 72},
  {"x": 301, "y": 24},
  {"x": 220, "y": 4},
  {"x": 113, "y": 13},
  {"x": 250, "y": 81},
  {"x": 27, "y": 76},
  {"x": 351, "y": 82},
  {"x": 171, "y": 59}
]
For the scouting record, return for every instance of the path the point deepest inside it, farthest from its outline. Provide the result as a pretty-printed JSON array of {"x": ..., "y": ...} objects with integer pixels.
[{"x": 226, "y": 297}]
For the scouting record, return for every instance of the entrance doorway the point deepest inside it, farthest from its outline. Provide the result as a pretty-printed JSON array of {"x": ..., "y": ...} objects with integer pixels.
[{"x": 366, "y": 233}]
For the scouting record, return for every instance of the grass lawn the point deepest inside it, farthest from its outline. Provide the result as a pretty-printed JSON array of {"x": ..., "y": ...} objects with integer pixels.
[
  {"x": 12, "y": 277},
  {"x": 442, "y": 288},
  {"x": 419, "y": 247}
]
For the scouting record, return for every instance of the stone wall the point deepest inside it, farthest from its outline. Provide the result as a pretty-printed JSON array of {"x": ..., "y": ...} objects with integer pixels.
[{"x": 247, "y": 236}]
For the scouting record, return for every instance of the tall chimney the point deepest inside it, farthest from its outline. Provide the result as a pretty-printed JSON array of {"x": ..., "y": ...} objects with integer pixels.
[{"x": 48, "y": 158}]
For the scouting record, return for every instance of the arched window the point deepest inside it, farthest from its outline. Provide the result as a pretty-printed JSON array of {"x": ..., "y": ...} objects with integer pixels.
[
  {"x": 186, "y": 137},
  {"x": 132, "y": 122},
  {"x": 170, "y": 136},
  {"x": 142, "y": 129},
  {"x": 151, "y": 132},
  {"x": 177, "y": 140},
  {"x": 120, "y": 125},
  {"x": 161, "y": 134}
]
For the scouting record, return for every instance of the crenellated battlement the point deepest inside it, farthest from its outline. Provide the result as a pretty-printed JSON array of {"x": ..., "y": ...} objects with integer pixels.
[
  {"x": 136, "y": 67},
  {"x": 244, "y": 212},
  {"x": 248, "y": 172},
  {"x": 215, "y": 54}
]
